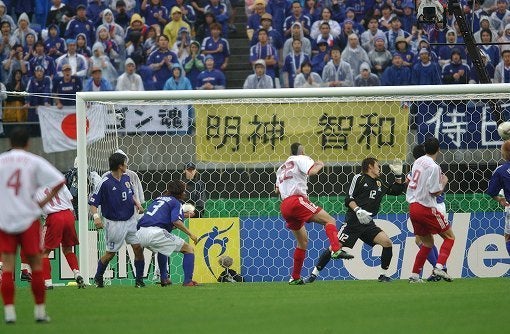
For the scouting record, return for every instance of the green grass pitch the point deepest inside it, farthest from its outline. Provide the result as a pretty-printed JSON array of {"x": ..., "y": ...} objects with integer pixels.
[{"x": 476, "y": 305}]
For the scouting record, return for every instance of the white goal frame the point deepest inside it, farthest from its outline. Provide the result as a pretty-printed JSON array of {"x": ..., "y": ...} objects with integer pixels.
[{"x": 82, "y": 98}]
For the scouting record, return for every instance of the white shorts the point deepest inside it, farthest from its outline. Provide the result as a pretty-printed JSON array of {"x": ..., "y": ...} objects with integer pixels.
[
  {"x": 507, "y": 220},
  {"x": 159, "y": 240},
  {"x": 116, "y": 232}
]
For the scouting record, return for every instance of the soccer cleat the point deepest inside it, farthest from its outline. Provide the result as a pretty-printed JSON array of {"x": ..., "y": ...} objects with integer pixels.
[
  {"x": 298, "y": 281},
  {"x": 139, "y": 283},
  {"x": 415, "y": 280},
  {"x": 26, "y": 276},
  {"x": 44, "y": 320},
  {"x": 99, "y": 281},
  {"x": 166, "y": 282},
  {"x": 433, "y": 278},
  {"x": 310, "y": 279},
  {"x": 190, "y": 283},
  {"x": 49, "y": 287},
  {"x": 80, "y": 282},
  {"x": 341, "y": 254},
  {"x": 384, "y": 278},
  {"x": 443, "y": 274}
]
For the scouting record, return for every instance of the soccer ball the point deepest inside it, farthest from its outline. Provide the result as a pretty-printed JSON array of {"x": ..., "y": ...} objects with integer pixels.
[
  {"x": 504, "y": 130},
  {"x": 188, "y": 207}
]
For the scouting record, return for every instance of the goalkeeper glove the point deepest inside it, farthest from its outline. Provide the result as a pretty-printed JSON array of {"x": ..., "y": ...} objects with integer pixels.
[
  {"x": 397, "y": 167},
  {"x": 364, "y": 216}
]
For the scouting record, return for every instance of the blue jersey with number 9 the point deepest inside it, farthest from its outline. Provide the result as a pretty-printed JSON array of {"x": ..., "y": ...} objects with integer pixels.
[{"x": 162, "y": 212}]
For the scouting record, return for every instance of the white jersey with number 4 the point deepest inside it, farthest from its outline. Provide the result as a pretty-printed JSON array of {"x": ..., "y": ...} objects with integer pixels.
[
  {"x": 21, "y": 174},
  {"x": 425, "y": 180},
  {"x": 292, "y": 176},
  {"x": 62, "y": 200}
]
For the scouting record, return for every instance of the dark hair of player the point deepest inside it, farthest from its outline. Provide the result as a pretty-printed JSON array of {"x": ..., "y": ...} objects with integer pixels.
[
  {"x": 294, "y": 148},
  {"x": 366, "y": 163},
  {"x": 19, "y": 137},
  {"x": 431, "y": 145},
  {"x": 116, "y": 160},
  {"x": 175, "y": 188},
  {"x": 418, "y": 151}
]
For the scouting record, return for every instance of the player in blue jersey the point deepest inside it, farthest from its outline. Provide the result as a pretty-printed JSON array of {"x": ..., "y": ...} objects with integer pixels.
[
  {"x": 155, "y": 229},
  {"x": 419, "y": 151},
  {"x": 500, "y": 180},
  {"x": 115, "y": 196}
]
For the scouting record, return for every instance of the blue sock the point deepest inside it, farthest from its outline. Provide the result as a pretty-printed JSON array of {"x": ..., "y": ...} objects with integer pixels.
[
  {"x": 100, "y": 268},
  {"x": 163, "y": 266},
  {"x": 139, "y": 266},
  {"x": 432, "y": 257},
  {"x": 188, "y": 263},
  {"x": 508, "y": 247}
]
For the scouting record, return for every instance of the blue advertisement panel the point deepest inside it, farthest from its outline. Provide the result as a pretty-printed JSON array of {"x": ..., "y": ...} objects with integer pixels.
[
  {"x": 479, "y": 250},
  {"x": 459, "y": 124}
]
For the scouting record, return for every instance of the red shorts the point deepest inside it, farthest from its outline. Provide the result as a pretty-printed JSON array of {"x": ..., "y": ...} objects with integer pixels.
[
  {"x": 59, "y": 229},
  {"x": 30, "y": 240},
  {"x": 296, "y": 210},
  {"x": 427, "y": 220}
]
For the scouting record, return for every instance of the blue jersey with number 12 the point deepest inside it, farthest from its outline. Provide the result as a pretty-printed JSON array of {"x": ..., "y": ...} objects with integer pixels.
[{"x": 162, "y": 212}]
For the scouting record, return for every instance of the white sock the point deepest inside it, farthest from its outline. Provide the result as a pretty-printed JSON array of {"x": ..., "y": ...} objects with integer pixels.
[
  {"x": 415, "y": 275},
  {"x": 40, "y": 311},
  {"x": 315, "y": 271},
  {"x": 383, "y": 272},
  {"x": 26, "y": 266},
  {"x": 76, "y": 273},
  {"x": 9, "y": 312},
  {"x": 48, "y": 282},
  {"x": 439, "y": 266}
]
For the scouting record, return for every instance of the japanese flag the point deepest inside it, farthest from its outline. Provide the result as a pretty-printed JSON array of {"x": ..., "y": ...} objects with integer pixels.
[{"x": 58, "y": 127}]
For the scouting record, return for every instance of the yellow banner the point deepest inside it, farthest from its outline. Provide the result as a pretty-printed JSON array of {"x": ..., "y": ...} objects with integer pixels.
[
  {"x": 331, "y": 132},
  {"x": 217, "y": 236}
]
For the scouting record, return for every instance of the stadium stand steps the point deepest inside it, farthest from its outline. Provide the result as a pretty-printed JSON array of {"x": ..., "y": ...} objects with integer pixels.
[{"x": 239, "y": 65}]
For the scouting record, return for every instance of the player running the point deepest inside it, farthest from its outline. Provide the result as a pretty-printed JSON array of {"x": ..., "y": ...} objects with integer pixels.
[{"x": 296, "y": 209}]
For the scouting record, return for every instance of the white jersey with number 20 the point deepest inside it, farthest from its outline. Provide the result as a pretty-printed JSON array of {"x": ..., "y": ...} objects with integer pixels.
[
  {"x": 425, "y": 180},
  {"x": 21, "y": 174},
  {"x": 292, "y": 176}
]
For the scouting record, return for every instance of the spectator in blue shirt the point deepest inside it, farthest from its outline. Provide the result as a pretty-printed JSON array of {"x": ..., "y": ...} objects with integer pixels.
[
  {"x": 397, "y": 74},
  {"x": 426, "y": 72},
  {"x": 178, "y": 80},
  {"x": 211, "y": 78},
  {"x": 97, "y": 83},
  {"x": 81, "y": 24},
  {"x": 161, "y": 61}
]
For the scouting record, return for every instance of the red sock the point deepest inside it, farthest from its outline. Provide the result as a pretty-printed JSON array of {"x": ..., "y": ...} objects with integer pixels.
[
  {"x": 46, "y": 268},
  {"x": 299, "y": 258},
  {"x": 445, "y": 250},
  {"x": 420, "y": 259},
  {"x": 38, "y": 288},
  {"x": 7, "y": 288},
  {"x": 72, "y": 260},
  {"x": 332, "y": 234}
]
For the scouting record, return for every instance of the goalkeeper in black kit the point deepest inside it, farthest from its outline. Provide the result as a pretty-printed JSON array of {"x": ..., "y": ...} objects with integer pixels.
[{"x": 363, "y": 201}]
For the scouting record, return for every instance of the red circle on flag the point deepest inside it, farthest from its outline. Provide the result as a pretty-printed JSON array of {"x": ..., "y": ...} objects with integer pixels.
[{"x": 68, "y": 126}]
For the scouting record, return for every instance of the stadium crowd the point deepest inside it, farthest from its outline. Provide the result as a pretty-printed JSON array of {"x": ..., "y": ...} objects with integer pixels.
[{"x": 59, "y": 47}]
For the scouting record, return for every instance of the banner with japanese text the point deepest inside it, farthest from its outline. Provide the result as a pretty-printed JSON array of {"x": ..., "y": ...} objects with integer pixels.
[
  {"x": 150, "y": 118},
  {"x": 460, "y": 124},
  {"x": 330, "y": 131}
]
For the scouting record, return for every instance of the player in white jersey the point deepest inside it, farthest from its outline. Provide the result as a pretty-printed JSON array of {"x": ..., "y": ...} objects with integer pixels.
[
  {"x": 426, "y": 183},
  {"x": 21, "y": 174},
  {"x": 59, "y": 229},
  {"x": 296, "y": 209}
]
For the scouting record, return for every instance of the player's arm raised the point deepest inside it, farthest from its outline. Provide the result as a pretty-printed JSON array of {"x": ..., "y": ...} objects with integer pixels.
[{"x": 316, "y": 168}]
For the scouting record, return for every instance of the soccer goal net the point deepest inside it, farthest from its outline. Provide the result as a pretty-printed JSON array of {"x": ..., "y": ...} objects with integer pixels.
[{"x": 237, "y": 139}]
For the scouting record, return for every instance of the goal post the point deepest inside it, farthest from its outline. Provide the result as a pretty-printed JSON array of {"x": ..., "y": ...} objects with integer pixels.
[{"x": 238, "y": 137}]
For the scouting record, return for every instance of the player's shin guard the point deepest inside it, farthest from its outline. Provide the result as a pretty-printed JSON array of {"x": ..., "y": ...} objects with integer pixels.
[
  {"x": 46, "y": 267},
  {"x": 444, "y": 251},
  {"x": 387, "y": 254},
  {"x": 323, "y": 260},
  {"x": 332, "y": 234},
  {"x": 7, "y": 288},
  {"x": 38, "y": 288},
  {"x": 72, "y": 260},
  {"x": 163, "y": 266},
  {"x": 420, "y": 259},
  {"x": 101, "y": 268},
  {"x": 188, "y": 263},
  {"x": 299, "y": 259},
  {"x": 139, "y": 265}
]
